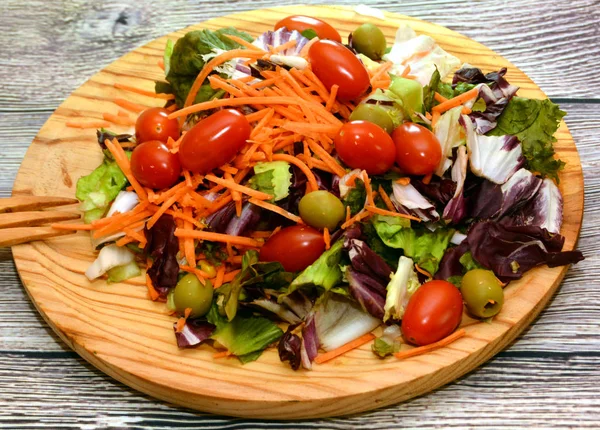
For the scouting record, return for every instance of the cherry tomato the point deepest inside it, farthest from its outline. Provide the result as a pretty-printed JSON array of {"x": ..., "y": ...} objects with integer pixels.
[
  {"x": 334, "y": 64},
  {"x": 295, "y": 247},
  {"x": 153, "y": 124},
  {"x": 301, "y": 23},
  {"x": 214, "y": 141},
  {"x": 433, "y": 312},
  {"x": 154, "y": 166},
  {"x": 418, "y": 151},
  {"x": 364, "y": 145}
]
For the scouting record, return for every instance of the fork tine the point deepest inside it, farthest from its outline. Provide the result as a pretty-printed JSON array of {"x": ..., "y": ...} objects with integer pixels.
[
  {"x": 24, "y": 203},
  {"x": 15, "y": 236},
  {"x": 29, "y": 219}
]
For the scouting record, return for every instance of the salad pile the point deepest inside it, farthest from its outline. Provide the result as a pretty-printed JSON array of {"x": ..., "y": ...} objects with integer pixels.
[{"x": 298, "y": 193}]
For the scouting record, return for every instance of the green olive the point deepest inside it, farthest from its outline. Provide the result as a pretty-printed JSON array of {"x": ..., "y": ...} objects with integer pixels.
[
  {"x": 190, "y": 293},
  {"x": 321, "y": 209},
  {"x": 368, "y": 39},
  {"x": 208, "y": 268},
  {"x": 482, "y": 293},
  {"x": 373, "y": 113}
]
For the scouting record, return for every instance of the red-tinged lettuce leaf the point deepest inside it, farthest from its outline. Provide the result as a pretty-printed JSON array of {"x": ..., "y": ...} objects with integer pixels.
[
  {"x": 290, "y": 346},
  {"x": 409, "y": 201},
  {"x": 456, "y": 208},
  {"x": 194, "y": 333},
  {"x": 518, "y": 190},
  {"x": 512, "y": 251},
  {"x": 450, "y": 264},
  {"x": 226, "y": 221},
  {"x": 310, "y": 341},
  {"x": 272, "y": 39},
  {"x": 163, "y": 246},
  {"x": 367, "y": 262},
  {"x": 438, "y": 190}
]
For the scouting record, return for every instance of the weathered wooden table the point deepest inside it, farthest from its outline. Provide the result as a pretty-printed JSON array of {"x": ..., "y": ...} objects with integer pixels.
[{"x": 549, "y": 378}]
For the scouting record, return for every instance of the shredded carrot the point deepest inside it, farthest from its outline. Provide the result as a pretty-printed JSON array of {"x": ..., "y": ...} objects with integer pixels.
[
  {"x": 200, "y": 274},
  {"x": 309, "y": 128},
  {"x": 240, "y": 101},
  {"x": 218, "y": 237},
  {"x": 332, "y": 97},
  {"x": 422, "y": 271},
  {"x": 123, "y": 163},
  {"x": 381, "y": 70},
  {"x": 376, "y": 210},
  {"x": 435, "y": 117},
  {"x": 188, "y": 242},
  {"x": 326, "y": 158},
  {"x": 274, "y": 208},
  {"x": 456, "y": 101},
  {"x": 237, "y": 187},
  {"x": 222, "y": 354},
  {"x": 166, "y": 205},
  {"x": 210, "y": 66},
  {"x": 428, "y": 116},
  {"x": 386, "y": 199},
  {"x": 116, "y": 119},
  {"x": 439, "y": 98},
  {"x": 356, "y": 218},
  {"x": 322, "y": 358},
  {"x": 72, "y": 226},
  {"x": 258, "y": 115},
  {"x": 220, "y": 275},
  {"x": 231, "y": 275},
  {"x": 427, "y": 178},
  {"x": 312, "y": 181},
  {"x": 432, "y": 346},
  {"x": 368, "y": 189},
  {"x": 403, "y": 181},
  {"x": 348, "y": 214},
  {"x": 151, "y": 291},
  {"x": 283, "y": 46},
  {"x": 326, "y": 238},
  {"x": 144, "y": 92},
  {"x": 90, "y": 124},
  {"x": 465, "y": 110}
]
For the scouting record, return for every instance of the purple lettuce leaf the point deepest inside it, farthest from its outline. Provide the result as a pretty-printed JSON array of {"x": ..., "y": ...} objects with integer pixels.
[
  {"x": 450, "y": 264},
  {"x": 272, "y": 39},
  {"x": 545, "y": 210},
  {"x": 496, "y": 92},
  {"x": 511, "y": 251},
  {"x": 367, "y": 292},
  {"x": 438, "y": 190},
  {"x": 194, "y": 332},
  {"x": 366, "y": 261},
  {"x": 518, "y": 190},
  {"x": 289, "y": 347},
  {"x": 409, "y": 201},
  {"x": 310, "y": 342},
  {"x": 456, "y": 208},
  {"x": 226, "y": 221},
  {"x": 162, "y": 247}
]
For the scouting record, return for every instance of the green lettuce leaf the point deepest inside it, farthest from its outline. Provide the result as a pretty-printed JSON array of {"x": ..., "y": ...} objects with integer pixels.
[
  {"x": 534, "y": 122},
  {"x": 356, "y": 197},
  {"x": 425, "y": 247},
  {"x": 98, "y": 189},
  {"x": 324, "y": 274},
  {"x": 274, "y": 178},
  {"x": 469, "y": 263},
  {"x": 124, "y": 272},
  {"x": 382, "y": 349}
]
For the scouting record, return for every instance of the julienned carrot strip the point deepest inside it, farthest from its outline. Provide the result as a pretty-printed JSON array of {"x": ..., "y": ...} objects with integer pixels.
[
  {"x": 326, "y": 238},
  {"x": 368, "y": 188},
  {"x": 201, "y": 275},
  {"x": 144, "y": 92},
  {"x": 126, "y": 104},
  {"x": 243, "y": 42},
  {"x": 229, "y": 169},
  {"x": 327, "y": 159},
  {"x": 277, "y": 210},
  {"x": 422, "y": 271},
  {"x": 166, "y": 205},
  {"x": 322, "y": 358},
  {"x": 313, "y": 162},
  {"x": 312, "y": 181},
  {"x": 378, "y": 211},
  {"x": 209, "y": 67},
  {"x": 90, "y": 124},
  {"x": 219, "y": 83},
  {"x": 124, "y": 241},
  {"x": 466, "y": 111},
  {"x": 218, "y": 237},
  {"x": 265, "y": 119},
  {"x": 439, "y": 98},
  {"x": 212, "y": 104},
  {"x": 416, "y": 56},
  {"x": 356, "y": 218},
  {"x": 72, "y": 227},
  {"x": 257, "y": 116},
  {"x": 237, "y": 187},
  {"x": 219, "y": 203},
  {"x": 381, "y": 70},
  {"x": 427, "y": 179},
  {"x": 188, "y": 178},
  {"x": 403, "y": 181},
  {"x": 188, "y": 243},
  {"x": 456, "y": 101},
  {"x": 151, "y": 291},
  {"x": 222, "y": 354},
  {"x": 439, "y": 344},
  {"x": 119, "y": 224},
  {"x": 166, "y": 194},
  {"x": 123, "y": 163},
  {"x": 283, "y": 46},
  {"x": 435, "y": 116},
  {"x": 348, "y": 214},
  {"x": 332, "y": 97},
  {"x": 386, "y": 199},
  {"x": 220, "y": 275},
  {"x": 230, "y": 275}
]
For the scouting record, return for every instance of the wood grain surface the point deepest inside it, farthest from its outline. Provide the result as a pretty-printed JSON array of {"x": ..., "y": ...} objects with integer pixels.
[{"x": 537, "y": 349}]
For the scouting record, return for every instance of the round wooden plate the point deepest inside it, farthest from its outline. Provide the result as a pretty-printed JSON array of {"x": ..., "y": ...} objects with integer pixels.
[{"x": 124, "y": 334}]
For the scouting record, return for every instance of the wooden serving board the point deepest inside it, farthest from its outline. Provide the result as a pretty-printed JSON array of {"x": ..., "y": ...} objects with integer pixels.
[{"x": 124, "y": 334}]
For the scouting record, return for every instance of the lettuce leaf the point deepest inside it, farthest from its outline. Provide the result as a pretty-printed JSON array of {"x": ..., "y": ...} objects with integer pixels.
[
  {"x": 273, "y": 178},
  {"x": 534, "y": 122}
]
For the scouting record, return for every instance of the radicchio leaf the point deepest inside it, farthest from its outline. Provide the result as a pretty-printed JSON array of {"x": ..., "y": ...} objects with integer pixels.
[
  {"x": 310, "y": 342},
  {"x": 495, "y": 158},
  {"x": 194, "y": 333},
  {"x": 272, "y": 39},
  {"x": 438, "y": 190},
  {"x": 511, "y": 251},
  {"x": 450, "y": 264},
  {"x": 455, "y": 210},
  {"x": 545, "y": 210},
  {"x": 290, "y": 346},
  {"x": 409, "y": 201},
  {"x": 226, "y": 221},
  {"x": 366, "y": 291},
  {"x": 518, "y": 190},
  {"x": 367, "y": 262},
  {"x": 163, "y": 246}
]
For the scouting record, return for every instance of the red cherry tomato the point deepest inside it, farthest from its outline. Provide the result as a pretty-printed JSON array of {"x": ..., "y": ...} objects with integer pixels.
[
  {"x": 295, "y": 247},
  {"x": 154, "y": 166},
  {"x": 214, "y": 141},
  {"x": 301, "y": 23},
  {"x": 418, "y": 151},
  {"x": 153, "y": 124},
  {"x": 364, "y": 145},
  {"x": 433, "y": 312},
  {"x": 334, "y": 64}
]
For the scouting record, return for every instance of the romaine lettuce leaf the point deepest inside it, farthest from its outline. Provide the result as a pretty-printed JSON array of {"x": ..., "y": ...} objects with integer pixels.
[{"x": 273, "y": 178}]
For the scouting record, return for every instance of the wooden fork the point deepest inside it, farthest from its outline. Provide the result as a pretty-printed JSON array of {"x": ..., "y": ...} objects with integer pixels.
[{"x": 22, "y": 218}]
